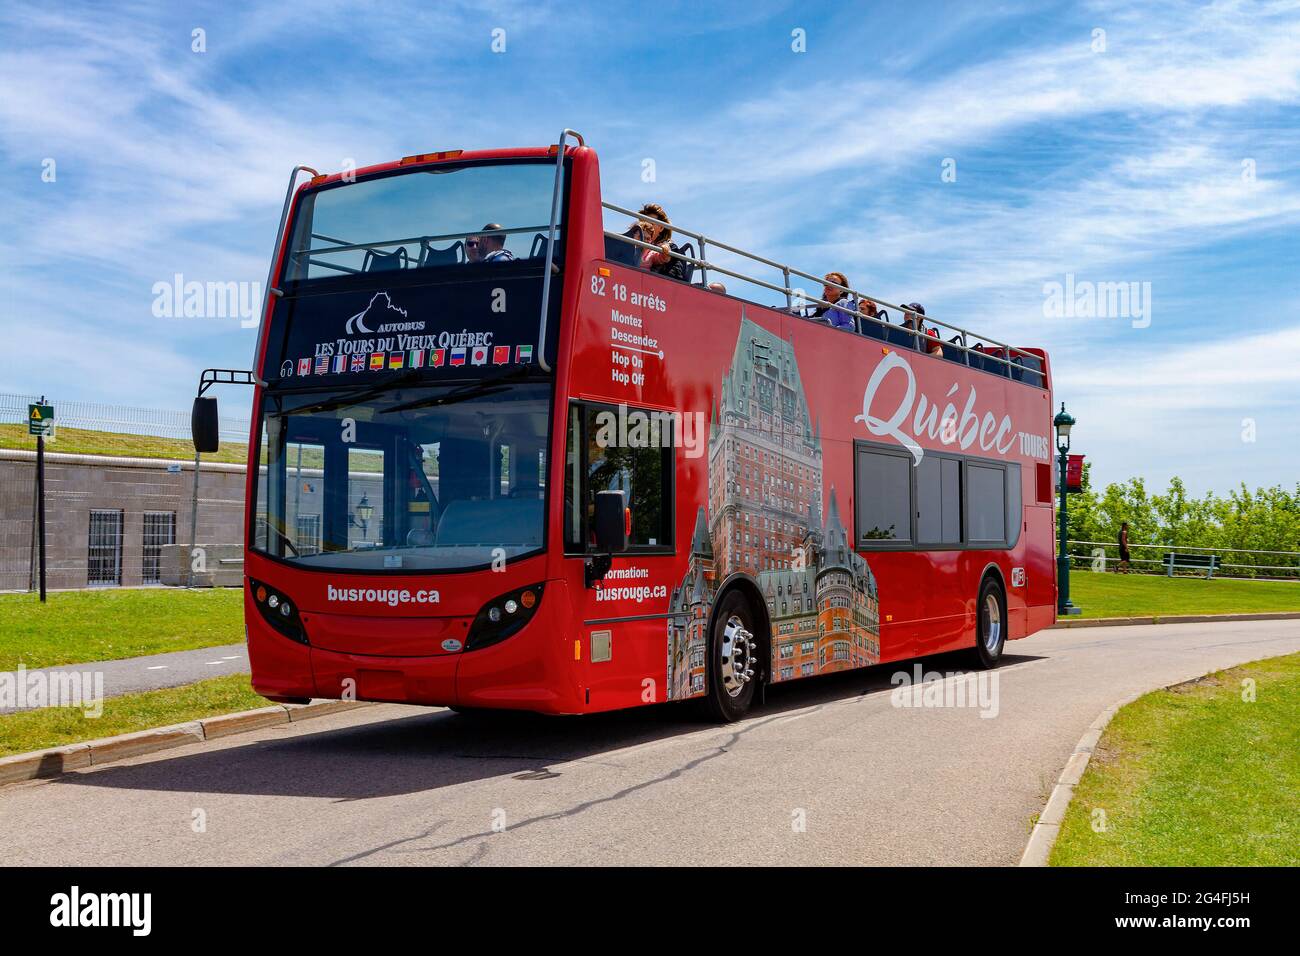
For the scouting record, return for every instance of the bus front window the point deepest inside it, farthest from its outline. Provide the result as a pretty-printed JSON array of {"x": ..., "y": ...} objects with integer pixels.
[
  {"x": 425, "y": 218},
  {"x": 416, "y": 479}
]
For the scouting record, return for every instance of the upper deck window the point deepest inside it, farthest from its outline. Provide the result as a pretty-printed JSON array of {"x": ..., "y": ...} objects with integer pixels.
[{"x": 426, "y": 217}]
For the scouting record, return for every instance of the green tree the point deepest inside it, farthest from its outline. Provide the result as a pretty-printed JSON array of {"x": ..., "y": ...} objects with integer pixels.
[{"x": 1245, "y": 522}]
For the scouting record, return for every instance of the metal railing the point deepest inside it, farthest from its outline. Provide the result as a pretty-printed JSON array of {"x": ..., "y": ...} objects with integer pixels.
[
  {"x": 550, "y": 243},
  {"x": 918, "y": 336},
  {"x": 1241, "y": 568},
  {"x": 380, "y": 244},
  {"x": 270, "y": 288}
]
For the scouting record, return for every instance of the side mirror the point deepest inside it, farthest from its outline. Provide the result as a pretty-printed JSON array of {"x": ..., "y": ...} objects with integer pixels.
[
  {"x": 611, "y": 522},
  {"x": 204, "y": 425}
]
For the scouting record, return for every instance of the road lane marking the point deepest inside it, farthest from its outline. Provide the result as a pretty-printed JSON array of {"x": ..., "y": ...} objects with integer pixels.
[{"x": 157, "y": 667}]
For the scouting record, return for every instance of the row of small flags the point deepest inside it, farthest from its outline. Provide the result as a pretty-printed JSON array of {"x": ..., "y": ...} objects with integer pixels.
[{"x": 415, "y": 358}]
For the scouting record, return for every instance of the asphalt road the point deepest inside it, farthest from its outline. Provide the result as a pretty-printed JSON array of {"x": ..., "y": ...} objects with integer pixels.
[
  {"x": 154, "y": 671},
  {"x": 829, "y": 772}
]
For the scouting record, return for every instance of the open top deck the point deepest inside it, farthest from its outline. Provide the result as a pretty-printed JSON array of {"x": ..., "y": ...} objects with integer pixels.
[{"x": 972, "y": 349}]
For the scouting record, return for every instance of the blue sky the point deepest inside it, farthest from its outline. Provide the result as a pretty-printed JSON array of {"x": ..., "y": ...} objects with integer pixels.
[{"x": 1169, "y": 157}]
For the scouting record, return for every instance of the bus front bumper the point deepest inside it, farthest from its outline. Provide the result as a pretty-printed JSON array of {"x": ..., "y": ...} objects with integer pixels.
[{"x": 531, "y": 670}]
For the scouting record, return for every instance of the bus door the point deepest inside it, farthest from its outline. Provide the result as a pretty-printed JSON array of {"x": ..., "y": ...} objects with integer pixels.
[{"x": 625, "y": 629}]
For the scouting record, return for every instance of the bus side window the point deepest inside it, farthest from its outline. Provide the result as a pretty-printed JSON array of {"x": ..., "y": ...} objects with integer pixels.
[{"x": 606, "y": 452}]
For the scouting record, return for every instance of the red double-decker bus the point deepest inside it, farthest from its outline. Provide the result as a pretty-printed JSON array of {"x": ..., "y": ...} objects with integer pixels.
[{"x": 495, "y": 463}]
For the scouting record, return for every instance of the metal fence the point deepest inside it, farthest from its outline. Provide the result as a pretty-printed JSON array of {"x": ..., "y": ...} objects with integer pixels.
[
  {"x": 116, "y": 419},
  {"x": 1153, "y": 558},
  {"x": 114, "y": 499}
]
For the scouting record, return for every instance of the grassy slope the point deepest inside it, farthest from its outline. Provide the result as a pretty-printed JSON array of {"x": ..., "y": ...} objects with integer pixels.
[
  {"x": 79, "y": 441},
  {"x": 78, "y": 626},
  {"x": 1196, "y": 776},
  {"x": 57, "y": 726},
  {"x": 1129, "y": 595}
]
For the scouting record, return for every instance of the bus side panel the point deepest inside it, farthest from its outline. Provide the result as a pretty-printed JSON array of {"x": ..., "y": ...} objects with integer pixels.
[
  {"x": 624, "y": 651},
  {"x": 1040, "y": 569},
  {"x": 777, "y": 501}
]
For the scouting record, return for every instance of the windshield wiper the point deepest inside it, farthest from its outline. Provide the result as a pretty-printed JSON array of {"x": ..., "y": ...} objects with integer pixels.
[
  {"x": 473, "y": 390},
  {"x": 351, "y": 394},
  {"x": 283, "y": 537}
]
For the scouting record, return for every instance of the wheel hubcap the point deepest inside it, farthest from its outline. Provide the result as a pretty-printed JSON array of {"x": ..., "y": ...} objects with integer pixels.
[
  {"x": 737, "y": 656},
  {"x": 992, "y": 622}
]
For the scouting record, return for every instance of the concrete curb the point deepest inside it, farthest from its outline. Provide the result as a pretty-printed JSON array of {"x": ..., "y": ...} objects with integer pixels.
[
  {"x": 1177, "y": 619},
  {"x": 93, "y": 753},
  {"x": 1043, "y": 837},
  {"x": 1048, "y": 828}
]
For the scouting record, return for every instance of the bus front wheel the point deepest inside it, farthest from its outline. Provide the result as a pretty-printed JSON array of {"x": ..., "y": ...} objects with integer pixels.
[
  {"x": 734, "y": 667},
  {"x": 990, "y": 623}
]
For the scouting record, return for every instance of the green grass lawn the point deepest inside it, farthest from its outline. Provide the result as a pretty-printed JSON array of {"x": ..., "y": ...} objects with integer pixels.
[
  {"x": 1141, "y": 595},
  {"x": 57, "y": 726},
  {"x": 80, "y": 441},
  {"x": 74, "y": 627},
  {"x": 1195, "y": 776}
]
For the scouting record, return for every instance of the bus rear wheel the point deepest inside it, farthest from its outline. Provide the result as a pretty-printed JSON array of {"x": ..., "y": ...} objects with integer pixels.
[
  {"x": 734, "y": 668},
  {"x": 990, "y": 623}
]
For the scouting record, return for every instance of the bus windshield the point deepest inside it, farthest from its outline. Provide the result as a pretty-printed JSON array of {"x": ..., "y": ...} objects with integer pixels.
[
  {"x": 427, "y": 217},
  {"x": 429, "y": 478}
]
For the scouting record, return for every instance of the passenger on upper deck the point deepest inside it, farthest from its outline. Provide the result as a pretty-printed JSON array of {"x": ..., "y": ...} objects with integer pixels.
[
  {"x": 869, "y": 308},
  {"x": 838, "y": 317},
  {"x": 488, "y": 246},
  {"x": 656, "y": 235},
  {"x": 912, "y": 320}
]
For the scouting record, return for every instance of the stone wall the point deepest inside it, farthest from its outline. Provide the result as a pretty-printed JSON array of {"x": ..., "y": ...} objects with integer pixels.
[
  {"x": 218, "y": 565},
  {"x": 76, "y": 485}
]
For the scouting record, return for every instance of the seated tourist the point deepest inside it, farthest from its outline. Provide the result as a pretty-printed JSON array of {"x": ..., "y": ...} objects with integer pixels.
[
  {"x": 488, "y": 246},
  {"x": 873, "y": 311},
  {"x": 841, "y": 314},
  {"x": 912, "y": 321},
  {"x": 656, "y": 260}
]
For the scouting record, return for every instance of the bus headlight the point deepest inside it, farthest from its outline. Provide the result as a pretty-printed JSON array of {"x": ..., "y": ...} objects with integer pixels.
[
  {"x": 278, "y": 611},
  {"x": 503, "y": 616}
]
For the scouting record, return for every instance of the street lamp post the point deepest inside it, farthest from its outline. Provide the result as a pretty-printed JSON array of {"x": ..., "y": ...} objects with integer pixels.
[
  {"x": 365, "y": 511},
  {"x": 1063, "y": 422}
]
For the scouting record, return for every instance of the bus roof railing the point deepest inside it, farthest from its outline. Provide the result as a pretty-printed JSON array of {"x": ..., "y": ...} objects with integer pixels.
[
  {"x": 341, "y": 246},
  {"x": 790, "y": 293}
]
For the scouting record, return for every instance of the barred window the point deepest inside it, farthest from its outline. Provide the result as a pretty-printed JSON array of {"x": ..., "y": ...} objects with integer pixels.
[
  {"x": 104, "y": 548},
  {"x": 308, "y": 538},
  {"x": 159, "y": 530}
]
